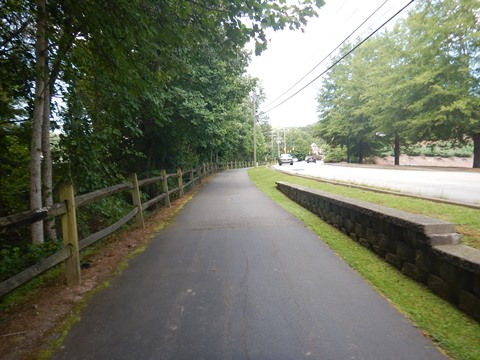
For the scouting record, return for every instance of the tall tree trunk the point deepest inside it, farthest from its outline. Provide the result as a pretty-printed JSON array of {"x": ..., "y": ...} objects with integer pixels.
[
  {"x": 47, "y": 171},
  {"x": 36, "y": 144},
  {"x": 476, "y": 150},
  {"x": 396, "y": 149}
]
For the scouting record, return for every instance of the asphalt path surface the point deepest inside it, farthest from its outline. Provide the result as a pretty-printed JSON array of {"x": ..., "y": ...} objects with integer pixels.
[
  {"x": 462, "y": 185},
  {"x": 237, "y": 277}
]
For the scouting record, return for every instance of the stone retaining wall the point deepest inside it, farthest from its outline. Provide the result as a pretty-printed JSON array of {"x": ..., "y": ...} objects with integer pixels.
[{"x": 425, "y": 249}]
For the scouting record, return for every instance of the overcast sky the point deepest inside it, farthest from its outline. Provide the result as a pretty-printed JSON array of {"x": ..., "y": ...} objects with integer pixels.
[{"x": 292, "y": 54}]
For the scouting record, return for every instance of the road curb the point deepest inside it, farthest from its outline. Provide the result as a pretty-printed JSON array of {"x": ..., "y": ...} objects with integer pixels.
[{"x": 374, "y": 189}]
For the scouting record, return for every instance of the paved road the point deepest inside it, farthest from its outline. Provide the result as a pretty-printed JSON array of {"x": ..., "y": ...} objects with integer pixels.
[
  {"x": 462, "y": 186},
  {"x": 237, "y": 277}
]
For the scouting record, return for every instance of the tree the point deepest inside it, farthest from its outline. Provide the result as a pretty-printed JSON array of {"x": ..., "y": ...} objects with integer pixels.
[
  {"x": 388, "y": 94},
  {"x": 443, "y": 44},
  {"x": 416, "y": 82},
  {"x": 139, "y": 82},
  {"x": 344, "y": 119},
  {"x": 14, "y": 181},
  {"x": 41, "y": 82}
]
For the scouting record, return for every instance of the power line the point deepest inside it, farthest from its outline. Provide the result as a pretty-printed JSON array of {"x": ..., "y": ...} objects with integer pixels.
[
  {"x": 341, "y": 7},
  {"x": 326, "y": 57},
  {"x": 337, "y": 61},
  {"x": 345, "y": 22}
]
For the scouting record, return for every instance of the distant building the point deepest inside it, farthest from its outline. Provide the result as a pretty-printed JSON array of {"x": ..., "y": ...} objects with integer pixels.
[{"x": 315, "y": 149}]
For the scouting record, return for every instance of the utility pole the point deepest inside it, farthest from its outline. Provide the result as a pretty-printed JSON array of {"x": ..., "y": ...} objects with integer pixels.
[
  {"x": 279, "y": 140},
  {"x": 254, "y": 133},
  {"x": 273, "y": 154}
]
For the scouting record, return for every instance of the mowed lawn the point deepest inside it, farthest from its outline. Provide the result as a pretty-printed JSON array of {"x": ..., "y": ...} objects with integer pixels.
[{"x": 466, "y": 220}]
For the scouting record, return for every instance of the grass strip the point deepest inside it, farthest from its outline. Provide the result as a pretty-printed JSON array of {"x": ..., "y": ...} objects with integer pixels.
[
  {"x": 466, "y": 220},
  {"x": 455, "y": 333}
]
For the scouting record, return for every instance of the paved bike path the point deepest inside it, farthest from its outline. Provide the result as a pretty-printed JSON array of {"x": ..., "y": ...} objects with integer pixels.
[{"x": 237, "y": 277}]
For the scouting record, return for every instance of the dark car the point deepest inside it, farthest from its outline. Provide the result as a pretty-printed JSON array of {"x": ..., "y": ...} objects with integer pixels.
[{"x": 310, "y": 158}]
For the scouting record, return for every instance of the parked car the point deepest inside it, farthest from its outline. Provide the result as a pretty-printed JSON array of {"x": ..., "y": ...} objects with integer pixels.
[
  {"x": 310, "y": 158},
  {"x": 285, "y": 159}
]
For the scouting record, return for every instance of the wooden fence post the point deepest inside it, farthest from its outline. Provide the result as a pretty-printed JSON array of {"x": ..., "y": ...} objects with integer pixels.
[
  {"x": 70, "y": 236},
  {"x": 163, "y": 174},
  {"x": 136, "y": 201},
  {"x": 180, "y": 181}
]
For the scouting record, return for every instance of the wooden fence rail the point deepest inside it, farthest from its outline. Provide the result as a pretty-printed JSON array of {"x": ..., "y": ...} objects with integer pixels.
[{"x": 68, "y": 205}]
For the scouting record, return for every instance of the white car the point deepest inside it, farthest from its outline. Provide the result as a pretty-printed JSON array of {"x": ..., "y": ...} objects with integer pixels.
[{"x": 285, "y": 159}]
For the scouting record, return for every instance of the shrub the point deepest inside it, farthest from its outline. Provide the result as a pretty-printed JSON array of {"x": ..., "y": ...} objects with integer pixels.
[
  {"x": 14, "y": 259},
  {"x": 438, "y": 149},
  {"x": 335, "y": 154},
  {"x": 97, "y": 216}
]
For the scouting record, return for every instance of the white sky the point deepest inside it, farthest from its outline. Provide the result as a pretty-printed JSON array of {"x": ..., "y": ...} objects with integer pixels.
[{"x": 292, "y": 54}]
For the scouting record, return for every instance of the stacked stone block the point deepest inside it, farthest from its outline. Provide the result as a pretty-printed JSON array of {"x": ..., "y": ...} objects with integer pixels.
[{"x": 424, "y": 249}]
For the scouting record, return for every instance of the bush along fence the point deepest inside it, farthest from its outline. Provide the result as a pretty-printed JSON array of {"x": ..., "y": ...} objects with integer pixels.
[
  {"x": 425, "y": 249},
  {"x": 69, "y": 204}
]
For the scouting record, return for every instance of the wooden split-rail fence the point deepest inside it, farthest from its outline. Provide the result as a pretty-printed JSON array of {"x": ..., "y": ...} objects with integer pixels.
[{"x": 69, "y": 203}]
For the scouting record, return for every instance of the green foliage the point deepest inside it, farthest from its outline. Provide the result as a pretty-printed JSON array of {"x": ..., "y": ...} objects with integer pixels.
[
  {"x": 415, "y": 82},
  {"x": 335, "y": 154},
  {"x": 97, "y": 216},
  {"x": 140, "y": 85},
  {"x": 16, "y": 55},
  {"x": 14, "y": 259},
  {"x": 299, "y": 141},
  {"x": 13, "y": 170},
  {"x": 345, "y": 120},
  {"x": 439, "y": 149},
  {"x": 176, "y": 72},
  {"x": 295, "y": 141}
]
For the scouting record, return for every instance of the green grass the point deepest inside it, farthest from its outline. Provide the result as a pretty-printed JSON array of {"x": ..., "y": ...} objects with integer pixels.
[
  {"x": 466, "y": 220},
  {"x": 454, "y": 332}
]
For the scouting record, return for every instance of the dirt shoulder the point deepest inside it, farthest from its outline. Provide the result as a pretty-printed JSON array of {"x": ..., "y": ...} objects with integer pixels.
[{"x": 29, "y": 327}]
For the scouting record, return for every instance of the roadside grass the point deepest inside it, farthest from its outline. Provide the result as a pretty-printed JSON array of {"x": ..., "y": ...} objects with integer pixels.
[
  {"x": 455, "y": 333},
  {"x": 466, "y": 220}
]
